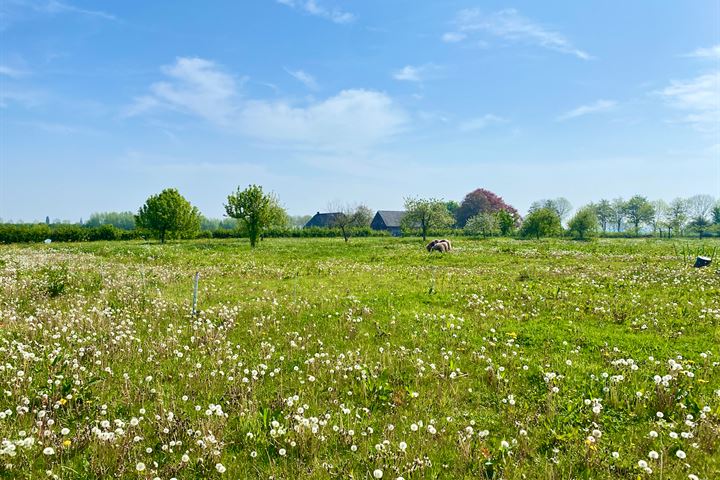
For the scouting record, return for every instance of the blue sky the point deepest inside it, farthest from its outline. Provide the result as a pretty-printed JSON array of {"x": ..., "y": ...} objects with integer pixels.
[{"x": 326, "y": 101}]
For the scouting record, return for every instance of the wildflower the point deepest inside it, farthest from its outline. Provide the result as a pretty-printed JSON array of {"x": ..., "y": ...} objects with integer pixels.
[
  {"x": 220, "y": 468},
  {"x": 680, "y": 454},
  {"x": 140, "y": 467},
  {"x": 504, "y": 444},
  {"x": 282, "y": 452},
  {"x": 403, "y": 446},
  {"x": 49, "y": 451},
  {"x": 378, "y": 473},
  {"x": 66, "y": 443},
  {"x": 653, "y": 454},
  {"x": 65, "y": 431},
  {"x": 642, "y": 464},
  {"x": 615, "y": 455}
]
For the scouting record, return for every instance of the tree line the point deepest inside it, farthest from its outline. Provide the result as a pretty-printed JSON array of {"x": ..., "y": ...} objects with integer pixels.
[{"x": 253, "y": 213}]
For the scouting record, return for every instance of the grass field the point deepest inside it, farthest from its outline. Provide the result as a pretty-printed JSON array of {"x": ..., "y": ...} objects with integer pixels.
[{"x": 373, "y": 359}]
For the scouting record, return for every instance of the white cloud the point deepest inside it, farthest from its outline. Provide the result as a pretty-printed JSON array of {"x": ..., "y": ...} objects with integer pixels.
[
  {"x": 11, "y": 72},
  {"x": 453, "y": 37},
  {"x": 304, "y": 78},
  {"x": 25, "y": 98},
  {"x": 510, "y": 25},
  {"x": 57, "y": 128},
  {"x": 699, "y": 97},
  {"x": 595, "y": 107},
  {"x": 407, "y": 73},
  {"x": 709, "y": 52},
  {"x": 54, "y": 6},
  {"x": 197, "y": 87},
  {"x": 314, "y": 8},
  {"x": 410, "y": 73},
  {"x": 351, "y": 119},
  {"x": 479, "y": 123}
]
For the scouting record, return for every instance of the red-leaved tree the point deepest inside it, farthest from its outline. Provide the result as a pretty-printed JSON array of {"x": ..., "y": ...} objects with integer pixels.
[{"x": 481, "y": 201}]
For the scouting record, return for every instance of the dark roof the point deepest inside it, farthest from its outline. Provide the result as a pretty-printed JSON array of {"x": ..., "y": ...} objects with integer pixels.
[
  {"x": 389, "y": 218},
  {"x": 322, "y": 219}
]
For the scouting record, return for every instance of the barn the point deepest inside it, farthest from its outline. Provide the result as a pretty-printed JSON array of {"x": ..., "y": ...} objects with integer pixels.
[
  {"x": 324, "y": 220},
  {"x": 388, "y": 220}
]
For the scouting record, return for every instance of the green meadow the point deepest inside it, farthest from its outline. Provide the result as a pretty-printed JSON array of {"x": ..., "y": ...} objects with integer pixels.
[{"x": 315, "y": 358}]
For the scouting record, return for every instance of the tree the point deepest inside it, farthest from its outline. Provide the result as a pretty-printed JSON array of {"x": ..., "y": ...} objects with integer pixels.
[
  {"x": 426, "y": 214},
  {"x": 481, "y": 201},
  {"x": 363, "y": 215},
  {"x": 299, "y": 221},
  {"x": 560, "y": 205},
  {"x": 604, "y": 212},
  {"x": 700, "y": 207},
  {"x": 168, "y": 214},
  {"x": 618, "y": 213},
  {"x": 584, "y": 224},
  {"x": 485, "y": 224},
  {"x": 659, "y": 211},
  {"x": 638, "y": 210},
  {"x": 676, "y": 216},
  {"x": 452, "y": 207},
  {"x": 255, "y": 210},
  {"x": 506, "y": 222},
  {"x": 542, "y": 222},
  {"x": 698, "y": 225},
  {"x": 346, "y": 218},
  {"x": 716, "y": 214},
  {"x": 122, "y": 220}
]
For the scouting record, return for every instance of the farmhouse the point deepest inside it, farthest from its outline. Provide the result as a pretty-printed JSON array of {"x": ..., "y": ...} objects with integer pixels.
[
  {"x": 388, "y": 220},
  {"x": 322, "y": 220}
]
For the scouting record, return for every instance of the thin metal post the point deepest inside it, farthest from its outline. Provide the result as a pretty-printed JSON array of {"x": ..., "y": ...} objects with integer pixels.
[{"x": 195, "y": 291}]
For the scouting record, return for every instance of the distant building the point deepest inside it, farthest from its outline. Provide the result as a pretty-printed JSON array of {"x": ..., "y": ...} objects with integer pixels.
[
  {"x": 322, "y": 220},
  {"x": 388, "y": 220}
]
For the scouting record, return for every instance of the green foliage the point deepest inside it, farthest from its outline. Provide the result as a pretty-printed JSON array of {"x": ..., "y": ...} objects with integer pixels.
[
  {"x": 507, "y": 222},
  {"x": 604, "y": 212},
  {"x": 121, "y": 220},
  {"x": 348, "y": 219},
  {"x": 485, "y": 224},
  {"x": 56, "y": 278},
  {"x": 255, "y": 211},
  {"x": 584, "y": 224},
  {"x": 209, "y": 224},
  {"x": 63, "y": 233},
  {"x": 618, "y": 213},
  {"x": 561, "y": 206},
  {"x": 168, "y": 214},
  {"x": 639, "y": 210},
  {"x": 425, "y": 215},
  {"x": 543, "y": 222},
  {"x": 676, "y": 215},
  {"x": 452, "y": 207},
  {"x": 299, "y": 221}
]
